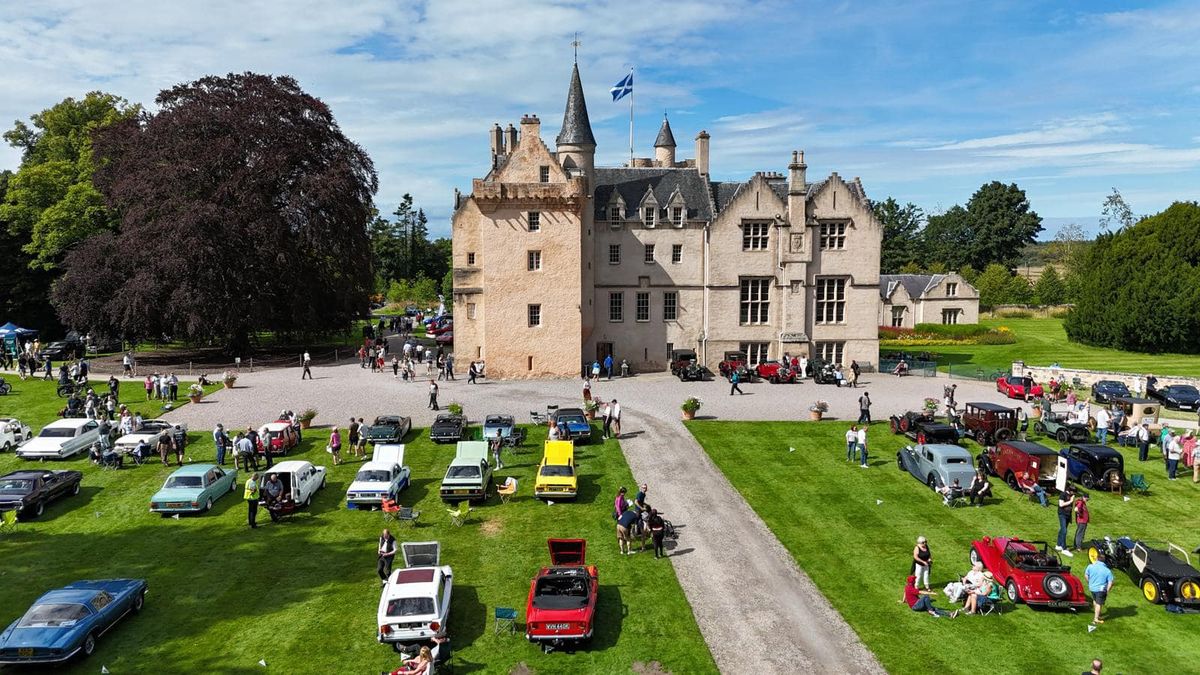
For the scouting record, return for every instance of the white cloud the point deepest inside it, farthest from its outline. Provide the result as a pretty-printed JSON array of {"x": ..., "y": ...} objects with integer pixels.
[{"x": 1058, "y": 131}]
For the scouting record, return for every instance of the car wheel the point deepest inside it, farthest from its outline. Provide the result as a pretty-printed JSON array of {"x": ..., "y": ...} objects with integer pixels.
[
  {"x": 322, "y": 486},
  {"x": 774, "y": 379},
  {"x": 1187, "y": 590},
  {"x": 1011, "y": 589},
  {"x": 1056, "y": 586},
  {"x": 1062, "y": 437},
  {"x": 7, "y": 446},
  {"x": 1151, "y": 591},
  {"x": 974, "y": 556},
  {"x": 891, "y": 423},
  {"x": 1011, "y": 479},
  {"x": 29, "y": 436},
  {"x": 904, "y": 424},
  {"x": 139, "y": 601},
  {"x": 208, "y": 505},
  {"x": 1004, "y": 434},
  {"x": 89, "y": 644},
  {"x": 307, "y": 502},
  {"x": 1039, "y": 427},
  {"x": 899, "y": 462},
  {"x": 39, "y": 509},
  {"x": 75, "y": 490},
  {"x": 1087, "y": 480}
]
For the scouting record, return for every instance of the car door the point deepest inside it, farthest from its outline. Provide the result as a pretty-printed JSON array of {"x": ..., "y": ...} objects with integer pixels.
[
  {"x": 104, "y": 610},
  {"x": 54, "y": 484}
]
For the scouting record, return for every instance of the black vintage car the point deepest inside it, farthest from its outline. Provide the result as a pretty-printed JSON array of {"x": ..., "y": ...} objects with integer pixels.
[
  {"x": 388, "y": 429},
  {"x": 1105, "y": 390},
  {"x": 823, "y": 372},
  {"x": 1094, "y": 466},
  {"x": 686, "y": 365},
  {"x": 923, "y": 428},
  {"x": 1163, "y": 572},
  {"x": 448, "y": 428},
  {"x": 1176, "y": 397},
  {"x": 28, "y": 492}
]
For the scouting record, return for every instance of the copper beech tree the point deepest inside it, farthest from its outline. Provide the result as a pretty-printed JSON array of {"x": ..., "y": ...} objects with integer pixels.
[{"x": 242, "y": 208}]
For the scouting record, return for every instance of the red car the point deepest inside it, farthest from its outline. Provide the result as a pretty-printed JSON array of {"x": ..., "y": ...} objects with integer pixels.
[
  {"x": 1015, "y": 386},
  {"x": 775, "y": 372},
  {"x": 278, "y": 436},
  {"x": 562, "y": 598},
  {"x": 1030, "y": 572},
  {"x": 1010, "y": 459}
]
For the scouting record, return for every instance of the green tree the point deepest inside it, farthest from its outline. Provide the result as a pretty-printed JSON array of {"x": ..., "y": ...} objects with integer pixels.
[
  {"x": 948, "y": 237},
  {"x": 996, "y": 225},
  {"x": 936, "y": 267},
  {"x": 1116, "y": 214},
  {"x": 448, "y": 289},
  {"x": 425, "y": 290},
  {"x": 51, "y": 203},
  {"x": 901, "y": 233},
  {"x": 994, "y": 285},
  {"x": 1019, "y": 291},
  {"x": 1050, "y": 289},
  {"x": 25, "y": 296},
  {"x": 910, "y": 268},
  {"x": 968, "y": 273}
]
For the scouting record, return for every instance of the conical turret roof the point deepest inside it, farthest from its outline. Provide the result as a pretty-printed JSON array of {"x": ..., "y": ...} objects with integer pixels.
[
  {"x": 665, "y": 139},
  {"x": 576, "y": 128}
]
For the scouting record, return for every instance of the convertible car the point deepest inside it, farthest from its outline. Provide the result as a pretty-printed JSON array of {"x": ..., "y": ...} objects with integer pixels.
[
  {"x": 28, "y": 492},
  {"x": 388, "y": 429},
  {"x": 578, "y": 427},
  {"x": 1058, "y": 426},
  {"x": 415, "y": 602},
  {"x": 67, "y": 621},
  {"x": 510, "y": 434},
  {"x": 937, "y": 465},
  {"x": 193, "y": 488},
  {"x": 1163, "y": 576},
  {"x": 923, "y": 428},
  {"x": 1030, "y": 572},
  {"x": 448, "y": 428},
  {"x": 561, "y": 607},
  {"x": 150, "y": 432}
]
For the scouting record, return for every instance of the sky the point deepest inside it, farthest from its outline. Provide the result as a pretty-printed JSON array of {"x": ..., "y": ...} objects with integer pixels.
[{"x": 924, "y": 100}]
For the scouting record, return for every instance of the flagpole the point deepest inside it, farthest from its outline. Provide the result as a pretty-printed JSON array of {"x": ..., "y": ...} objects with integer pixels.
[{"x": 631, "y": 117}]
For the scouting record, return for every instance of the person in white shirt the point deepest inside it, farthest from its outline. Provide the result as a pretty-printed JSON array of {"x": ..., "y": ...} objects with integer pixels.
[
  {"x": 1102, "y": 420},
  {"x": 1143, "y": 441},
  {"x": 851, "y": 443},
  {"x": 862, "y": 446},
  {"x": 1173, "y": 452}
]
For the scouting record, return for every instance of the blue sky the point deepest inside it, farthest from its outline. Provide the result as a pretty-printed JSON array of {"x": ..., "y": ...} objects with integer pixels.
[{"x": 924, "y": 100}]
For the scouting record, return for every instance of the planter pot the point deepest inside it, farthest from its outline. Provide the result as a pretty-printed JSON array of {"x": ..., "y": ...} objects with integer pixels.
[
  {"x": 304, "y": 424},
  {"x": 590, "y": 414},
  {"x": 229, "y": 384},
  {"x": 1035, "y": 414},
  {"x": 195, "y": 399},
  {"x": 689, "y": 415},
  {"x": 814, "y": 415}
]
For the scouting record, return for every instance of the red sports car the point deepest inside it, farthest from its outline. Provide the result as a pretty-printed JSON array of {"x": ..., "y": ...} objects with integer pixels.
[
  {"x": 1030, "y": 572},
  {"x": 562, "y": 598},
  {"x": 774, "y": 372},
  {"x": 1015, "y": 386}
]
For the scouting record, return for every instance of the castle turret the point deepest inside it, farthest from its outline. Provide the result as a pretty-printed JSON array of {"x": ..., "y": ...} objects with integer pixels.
[
  {"x": 664, "y": 145},
  {"x": 576, "y": 144}
]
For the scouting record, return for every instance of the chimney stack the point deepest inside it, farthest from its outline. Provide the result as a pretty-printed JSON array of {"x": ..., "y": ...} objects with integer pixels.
[
  {"x": 702, "y": 153},
  {"x": 530, "y": 125},
  {"x": 496, "y": 135},
  {"x": 797, "y": 174},
  {"x": 510, "y": 138}
]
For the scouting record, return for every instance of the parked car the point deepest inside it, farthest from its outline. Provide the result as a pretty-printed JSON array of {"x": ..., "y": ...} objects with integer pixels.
[
  {"x": 774, "y": 372},
  {"x": 1105, "y": 390},
  {"x": 578, "y": 426},
  {"x": 923, "y": 428},
  {"x": 193, "y": 489},
  {"x": 384, "y": 477},
  {"x": 446, "y": 338},
  {"x": 937, "y": 465},
  {"x": 824, "y": 372},
  {"x": 1094, "y": 466},
  {"x": 415, "y": 603},
  {"x": 300, "y": 479},
  {"x": 686, "y": 365},
  {"x": 13, "y": 432},
  {"x": 989, "y": 422},
  {"x": 71, "y": 347},
  {"x": 556, "y": 474},
  {"x": 150, "y": 432},
  {"x": 1137, "y": 411},
  {"x": 61, "y": 439},
  {"x": 28, "y": 492},
  {"x": 1177, "y": 397},
  {"x": 1057, "y": 426},
  {"x": 1010, "y": 459},
  {"x": 448, "y": 428},
  {"x": 469, "y": 476},
  {"x": 510, "y": 434},
  {"x": 1020, "y": 387},
  {"x": 277, "y": 438},
  {"x": 1163, "y": 577},
  {"x": 561, "y": 607},
  {"x": 735, "y": 361},
  {"x": 388, "y": 429},
  {"x": 67, "y": 621},
  {"x": 1030, "y": 572}
]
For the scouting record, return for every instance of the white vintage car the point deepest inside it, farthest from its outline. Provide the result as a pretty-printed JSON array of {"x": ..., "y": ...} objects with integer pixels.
[
  {"x": 415, "y": 602},
  {"x": 13, "y": 432},
  {"x": 150, "y": 431},
  {"x": 61, "y": 438},
  {"x": 300, "y": 479},
  {"x": 381, "y": 478}
]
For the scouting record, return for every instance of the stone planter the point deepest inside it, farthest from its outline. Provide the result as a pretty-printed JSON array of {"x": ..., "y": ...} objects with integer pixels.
[
  {"x": 229, "y": 384},
  {"x": 196, "y": 399},
  {"x": 590, "y": 414},
  {"x": 304, "y": 424},
  {"x": 814, "y": 415},
  {"x": 689, "y": 414}
]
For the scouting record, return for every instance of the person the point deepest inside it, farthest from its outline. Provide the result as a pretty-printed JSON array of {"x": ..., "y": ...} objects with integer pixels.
[
  {"x": 306, "y": 360},
  {"x": 1099, "y": 580},
  {"x": 625, "y": 524},
  {"x": 221, "y": 441},
  {"x": 614, "y": 411},
  {"x": 864, "y": 408},
  {"x": 987, "y": 593},
  {"x": 1143, "y": 441},
  {"x": 619, "y": 504},
  {"x": 658, "y": 532},
  {"x": 164, "y": 448},
  {"x": 472, "y": 373},
  {"x": 433, "y": 393},
  {"x": 608, "y": 366},
  {"x": 387, "y": 553},
  {"x": 178, "y": 441},
  {"x": 971, "y": 583},
  {"x": 272, "y": 489},
  {"x": 251, "y": 496},
  {"x": 922, "y": 561},
  {"x": 919, "y": 601},
  {"x": 639, "y": 499},
  {"x": 360, "y": 448},
  {"x": 735, "y": 378},
  {"x": 127, "y": 364},
  {"x": 1082, "y": 516},
  {"x": 1172, "y": 450},
  {"x": 418, "y": 666},
  {"x": 352, "y": 432},
  {"x": 1102, "y": 421},
  {"x": 862, "y": 446},
  {"x": 901, "y": 368},
  {"x": 497, "y": 444},
  {"x": 852, "y": 443},
  {"x": 335, "y": 446},
  {"x": 553, "y": 434},
  {"x": 1066, "y": 502},
  {"x": 1097, "y": 666},
  {"x": 595, "y": 370},
  {"x": 979, "y": 488},
  {"x": 950, "y": 492},
  {"x": 855, "y": 370},
  {"x": 1032, "y": 487}
]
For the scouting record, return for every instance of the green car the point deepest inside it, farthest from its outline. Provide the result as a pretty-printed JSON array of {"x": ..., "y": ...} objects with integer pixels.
[{"x": 193, "y": 489}]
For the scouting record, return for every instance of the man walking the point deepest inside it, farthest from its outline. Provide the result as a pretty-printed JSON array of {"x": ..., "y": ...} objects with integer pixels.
[
  {"x": 614, "y": 412},
  {"x": 387, "y": 553},
  {"x": 607, "y": 420},
  {"x": 433, "y": 392},
  {"x": 734, "y": 378},
  {"x": 864, "y": 408},
  {"x": 251, "y": 496},
  {"x": 1099, "y": 581},
  {"x": 852, "y": 443},
  {"x": 307, "y": 361},
  {"x": 221, "y": 440},
  {"x": 608, "y": 366},
  {"x": 1066, "y": 503},
  {"x": 862, "y": 446},
  {"x": 855, "y": 369}
]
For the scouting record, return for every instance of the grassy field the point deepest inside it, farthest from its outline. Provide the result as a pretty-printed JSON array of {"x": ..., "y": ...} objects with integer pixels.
[
  {"x": 302, "y": 594},
  {"x": 1041, "y": 342},
  {"x": 853, "y": 532}
]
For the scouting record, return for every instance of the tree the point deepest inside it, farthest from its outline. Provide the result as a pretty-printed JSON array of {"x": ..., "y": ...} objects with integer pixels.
[
  {"x": 51, "y": 203},
  {"x": 1067, "y": 243},
  {"x": 1050, "y": 289},
  {"x": 968, "y": 273},
  {"x": 1116, "y": 212},
  {"x": 1018, "y": 291},
  {"x": 995, "y": 227},
  {"x": 935, "y": 267},
  {"x": 948, "y": 237},
  {"x": 25, "y": 296},
  {"x": 243, "y": 208},
  {"x": 910, "y": 268},
  {"x": 448, "y": 289},
  {"x": 901, "y": 233},
  {"x": 994, "y": 285}
]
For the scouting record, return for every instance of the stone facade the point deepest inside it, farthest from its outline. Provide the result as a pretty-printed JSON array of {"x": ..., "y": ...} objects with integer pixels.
[
  {"x": 638, "y": 260},
  {"x": 910, "y": 299}
]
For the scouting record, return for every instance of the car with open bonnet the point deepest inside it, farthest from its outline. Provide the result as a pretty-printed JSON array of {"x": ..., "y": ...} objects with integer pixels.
[
  {"x": 561, "y": 607},
  {"x": 469, "y": 476}
]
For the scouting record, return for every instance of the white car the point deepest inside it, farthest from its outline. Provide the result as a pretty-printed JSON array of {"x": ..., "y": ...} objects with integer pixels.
[
  {"x": 381, "y": 478},
  {"x": 61, "y": 438},
  {"x": 13, "y": 432},
  {"x": 300, "y": 479},
  {"x": 415, "y": 602},
  {"x": 150, "y": 431}
]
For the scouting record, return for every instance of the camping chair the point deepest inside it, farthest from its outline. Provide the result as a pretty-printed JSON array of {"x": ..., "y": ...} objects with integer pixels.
[
  {"x": 1138, "y": 482},
  {"x": 390, "y": 509},
  {"x": 8, "y": 520},
  {"x": 408, "y": 516},
  {"x": 459, "y": 516},
  {"x": 955, "y": 499},
  {"x": 507, "y": 490},
  {"x": 504, "y": 618}
]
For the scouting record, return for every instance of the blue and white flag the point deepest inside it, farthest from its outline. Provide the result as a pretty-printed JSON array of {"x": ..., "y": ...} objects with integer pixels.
[{"x": 623, "y": 88}]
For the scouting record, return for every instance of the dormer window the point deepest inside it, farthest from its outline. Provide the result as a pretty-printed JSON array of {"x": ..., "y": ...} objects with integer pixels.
[
  {"x": 677, "y": 216},
  {"x": 614, "y": 214},
  {"x": 648, "y": 215}
]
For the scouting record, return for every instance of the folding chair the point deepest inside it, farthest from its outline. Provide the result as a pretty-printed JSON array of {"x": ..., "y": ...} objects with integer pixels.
[
  {"x": 408, "y": 516},
  {"x": 504, "y": 618},
  {"x": 459, "y": 516},
  {"x": 8, "y": 520},
  {"x": 506, "y": 490},
  {"x": 390, "y": 509},
  {"x": 1138, "y": 482}
]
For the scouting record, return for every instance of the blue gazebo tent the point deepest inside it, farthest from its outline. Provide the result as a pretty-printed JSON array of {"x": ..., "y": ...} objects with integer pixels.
[{"x": 11, "y": 334}]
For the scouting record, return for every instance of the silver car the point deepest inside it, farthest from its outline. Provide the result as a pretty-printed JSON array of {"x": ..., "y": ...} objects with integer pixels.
[{"x": 937, "y": 465}]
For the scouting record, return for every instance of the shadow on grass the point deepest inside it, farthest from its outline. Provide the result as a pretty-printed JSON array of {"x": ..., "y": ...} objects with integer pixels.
[
  {"x": 610, "y": 613},
  {"x": 63, "y": 505}
]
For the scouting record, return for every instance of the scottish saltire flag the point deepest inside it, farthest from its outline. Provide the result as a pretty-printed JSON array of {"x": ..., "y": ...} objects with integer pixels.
[{"x": 623, "y": 88}]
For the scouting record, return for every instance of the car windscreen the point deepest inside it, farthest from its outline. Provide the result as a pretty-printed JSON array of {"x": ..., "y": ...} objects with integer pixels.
[
  {"x": 463, "y": 472},
  {"x": 410, "y": 607},
  {"x": 557, "y": 470},
  {"x": 379, "y": 421},
  {"x": 956, "y": 460},
  {"x": 57, "y": 432},
  {"x": 53, "y": 614},
  {"x": 573, "y": 419},
  {"x": 184, "y": 482},
  {"x": 561, "y": 592},
  {"x": 17, "y": 485},
  {"x": 373, "y": 476},
  {"x": 1185, "y": 390}
]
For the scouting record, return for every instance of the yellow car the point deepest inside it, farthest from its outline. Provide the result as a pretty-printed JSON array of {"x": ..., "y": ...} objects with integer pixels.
[{"x": 556, "y": 474}]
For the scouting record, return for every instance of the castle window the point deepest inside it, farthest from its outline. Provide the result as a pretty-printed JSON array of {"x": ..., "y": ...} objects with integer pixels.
[
  {"x": 648, "y": 214},
  {"x": 755, "y": 301},
  {"x": 649, "y": 254},
  {"x": 676, "y": 253},
  {"x": 756, "y": 352},
  {"x": 544, "y": 174},
  {"x": 677, "y": 216},
  {"x": 833, "y": 236},
  {"x": 535, "y": 221},
  {"x": 642, "y": 307},
  {"x": 831, "y": 352},
  {"x": 614, "y": 254},
  {"x": 614, "y": 214},
  {"x": 470, "y": 310},
  {"x": 670, "y": 306},
  {"x": 755, "y": 236},
  {"x": 831, "y": 301},
  {"x": 616, "y": 307},
  {"x": 898, "y": 316},
  {"x": 951, "y": 290},
  {"x": 470, "y": 258},
  {"x": 535, "y": 316},
  {"x": 534, "y": 260},
  {"x": 950, "y": 316}
]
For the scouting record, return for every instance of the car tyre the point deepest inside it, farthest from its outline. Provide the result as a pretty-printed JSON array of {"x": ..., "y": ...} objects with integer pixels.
[
  {"x": 139, "y": 601},
  {"x": 1087, "y": 480},
  {"x": 1187, "y": 590},
  {"x": 899, "y": 461},
  {"x": 1062, "y": 437},
  {"x": 1056, "y": 586},
  {"x": 1011, "y": 589},
  {"x": 39, "y": 509},
  {"x": 891, "y": 423},
  {"x": 932, "y": 481},
  {"x": 7, "y": 446},
  {"x": 1039, "y": 427},
  {"x": 75, "y": 490},
  {"x": 208, "y": 505},
  {"x": 1004, "y": 434},
  {"x": 89, "y": 644},
  {"x": 1011, "y": 479},
  {"x": 1151, "y": 590}
]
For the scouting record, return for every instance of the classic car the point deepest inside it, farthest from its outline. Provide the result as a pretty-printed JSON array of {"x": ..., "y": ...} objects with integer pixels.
[
  {"x": 923, "y": 428},
  {"x": 824, "y": 372},
  {"x": 578, "y": 426},
  {"x": 1017, "y": 386},
  {"x": 277, "y": 437},
  {"x": 1105, "y": 390},
  {"x": 469, "y": 476},
  {"x": 446, "y": 338},
  {"x": 686, "y": 365},
  {"x": 300, "y": 479},
  {"x": 1030, "y": 572},
  {"x": 510, "y": 434},
  {"x": 735, "y": 361},
  {"x": 561, "y": 607},
  {"x": 71, "y": 347},
  {"x": 937, "y": 465},
  {"x": 415, "y": 603},
  {"x": 1057, "y": 426},
  {"x": 13, "y": 432},
  {"x": 989, "y": 422},
  {"x": 448, "y": 428},
  {"x": 774, "y": 372},
  {"x": 441, "y": 325},
  {"x": 388, "y": 429},
  {"x": 28, "y": 492},
  {"x": 1163, "y": 576},
  {"x": 1137, "y": 411},
  {"x": 1094, "y": 466},
  {"x": 1176, "y": 397},
  {"x": 1010, "y": 459},
  {"x": 61, "y": 438},
  {"x": 384, "y": 477},
  {"x": 556, "y": 474},
  {"x": 67, "y": 621},
  {"x": 150, "y": 432},
  {"x": 193, "y": 489}
]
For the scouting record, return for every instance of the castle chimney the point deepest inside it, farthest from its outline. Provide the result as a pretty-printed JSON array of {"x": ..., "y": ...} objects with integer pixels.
[
  {"x": 530, "y": 126},
  {"x": 797, "y": 174},
  {"x": 702, "y": 153},
  {"x": 510, "y": 138},
  {"x": 496, "y": 134}
]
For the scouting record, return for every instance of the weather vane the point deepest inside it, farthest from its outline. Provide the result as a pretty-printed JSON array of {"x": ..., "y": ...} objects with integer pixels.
[{"x": 575, "y": 43}]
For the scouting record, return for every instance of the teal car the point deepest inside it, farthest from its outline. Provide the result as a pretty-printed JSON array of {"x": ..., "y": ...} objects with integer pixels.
[{"x": 193, "y": 489}]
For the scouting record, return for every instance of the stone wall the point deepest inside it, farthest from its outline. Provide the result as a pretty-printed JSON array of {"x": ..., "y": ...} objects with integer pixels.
[{"x": 1136, "y": 383}]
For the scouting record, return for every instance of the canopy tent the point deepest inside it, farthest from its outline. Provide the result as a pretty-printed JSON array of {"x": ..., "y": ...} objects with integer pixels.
[{"x": 12, "y": 334}]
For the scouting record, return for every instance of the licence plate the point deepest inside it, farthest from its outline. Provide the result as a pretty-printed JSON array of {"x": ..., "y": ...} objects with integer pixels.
[
  {"x": 176, "y": 505},
  {"x": 462, "y": 492},
  {"x": 25, "y": 651},
  {"x": 1058, "y": 603},
  {"x": 557, "y": 626}
]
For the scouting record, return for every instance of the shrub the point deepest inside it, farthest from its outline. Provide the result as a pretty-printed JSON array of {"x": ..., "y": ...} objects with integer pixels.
[
  {"x": 1059, "y": 313},
  {"x": 997, "y": 337},
  {"x": 454, "y": 408},
  {"x": 1015, "y": 314},
  {"x": 307, "y": 415},
  {"x": 691, "y": 404},
  {"x": 819, "y": 406},
  {"x": 952, "y": 330}
]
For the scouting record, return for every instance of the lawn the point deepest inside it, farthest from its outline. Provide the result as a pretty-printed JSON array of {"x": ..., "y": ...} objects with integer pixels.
[
  {"x": 853, "y": 532},
  {"x": 302, "y": 594},
  {"x": 1041, "y": 342}
]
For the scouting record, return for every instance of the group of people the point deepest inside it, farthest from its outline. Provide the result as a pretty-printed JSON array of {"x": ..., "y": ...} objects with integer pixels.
[
  {"x": 356, "y": 441},
  {"x": 636, "y": 519},
  {"x": 161, "y": 387},
  {"x": 608, "y": 365},
  {"x": 856, "y": 444},
  {"x": 270, "y": 492}
]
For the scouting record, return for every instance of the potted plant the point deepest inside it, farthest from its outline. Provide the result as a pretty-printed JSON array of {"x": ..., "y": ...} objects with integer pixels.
[
  {"x": 930, "y": 406},
  {"x": 306, "y": 418},
  {"x": 817, "y": 409},
  {"x": 195, "y": 393},
  {"x": 455, "y": 408},
  {"x": 229, "y": 377},
  {"x": 590, "y": 408},
  {"x": 690, "y": 405}
]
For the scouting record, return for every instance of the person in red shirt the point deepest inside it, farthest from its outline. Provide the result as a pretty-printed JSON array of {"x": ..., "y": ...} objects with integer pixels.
[{"x": 920, "y": 601}]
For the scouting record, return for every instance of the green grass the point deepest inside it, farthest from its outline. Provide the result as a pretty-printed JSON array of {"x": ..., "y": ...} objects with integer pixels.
[
  {"x": 858, "y": 553},
  {"x": 35, "y": 403},
  {"x": 302, "y": 594},
  {"x": 1041, "y": 342}
]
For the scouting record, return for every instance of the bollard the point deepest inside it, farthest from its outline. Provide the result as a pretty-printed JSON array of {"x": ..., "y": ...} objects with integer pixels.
[
  {"x": 252, "y": 364},
  {"x": 189, "y": 368}
]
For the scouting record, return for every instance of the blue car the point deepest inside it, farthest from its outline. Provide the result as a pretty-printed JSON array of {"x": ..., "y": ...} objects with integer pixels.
[
  {"x": 578, "y": 427},
  {"x": 1094, "y": 466},
  {"x": 193, "y": 489},
  {"x": 67, "y": 621}
]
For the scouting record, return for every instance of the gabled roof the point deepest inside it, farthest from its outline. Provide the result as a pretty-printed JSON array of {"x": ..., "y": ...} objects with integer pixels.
[
  {"x": 915, "y": 284},
  {"x": 724, "y": 193},
  {"x": 632, "y": 184},
  {"x": 665, "y": 138},
  {"x": 576, "y": 128}
]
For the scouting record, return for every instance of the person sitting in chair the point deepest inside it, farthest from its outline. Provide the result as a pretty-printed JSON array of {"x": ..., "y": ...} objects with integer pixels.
[
  {"x": 901, "y": 368},
  {"x": 1032, "y": 487},
  {"x": 272, "y": 490},
  {"x": 950, "y": 492},
  {"x": 979, "y": 489},
  {"x": 422, "y": 665}
]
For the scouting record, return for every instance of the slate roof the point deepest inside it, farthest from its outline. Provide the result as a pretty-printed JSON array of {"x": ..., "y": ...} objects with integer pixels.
[
  {"x": 665, "y": 139},
  {"x": 724, "y": 193},
  {"x": 576, "y": 128},
  {"x": 915, "y": 284},
  {"x": 632, "y": 185}
]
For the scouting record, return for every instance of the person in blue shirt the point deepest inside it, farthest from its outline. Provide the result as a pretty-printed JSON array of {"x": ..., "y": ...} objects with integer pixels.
[
  {"x": 1099, "y": 581},
  {"x": 608, "y": 366}
]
